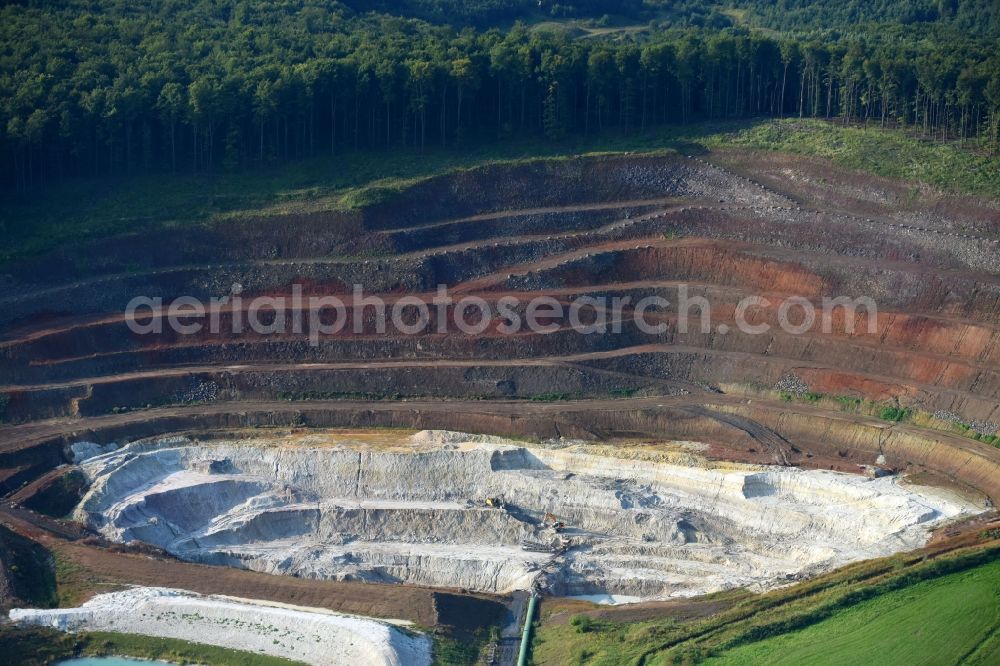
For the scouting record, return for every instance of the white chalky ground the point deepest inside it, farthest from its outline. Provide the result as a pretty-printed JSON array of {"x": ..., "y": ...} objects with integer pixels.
[{"x": 313, "y": 636}]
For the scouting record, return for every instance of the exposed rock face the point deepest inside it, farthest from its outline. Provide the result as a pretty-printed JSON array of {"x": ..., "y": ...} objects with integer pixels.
[
  {"x": 305, "y": 635},
  {"x": 416, "y": 513}
]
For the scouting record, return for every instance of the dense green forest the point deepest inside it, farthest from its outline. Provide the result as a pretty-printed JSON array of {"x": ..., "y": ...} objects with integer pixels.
[
  {"x": 978, "y": 17},
  {"x": 487, "y": 13},
  {"x": 114, "y": 87}
]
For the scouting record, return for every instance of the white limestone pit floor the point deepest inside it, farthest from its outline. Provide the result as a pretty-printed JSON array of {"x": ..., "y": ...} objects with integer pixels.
[{"x": 642, "y": 522}]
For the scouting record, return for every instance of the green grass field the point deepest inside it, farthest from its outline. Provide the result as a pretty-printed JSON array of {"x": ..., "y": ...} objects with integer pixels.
[
  {"x": 87, "y": 209},
  {"x": 954, "y": 619},
  {"x": 902, "y": 610}
]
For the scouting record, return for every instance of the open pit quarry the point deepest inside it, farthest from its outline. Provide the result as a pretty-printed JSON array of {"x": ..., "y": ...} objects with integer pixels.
[
  {"x": 636, "y": 464},
  {"x": 448, "y": 509}
]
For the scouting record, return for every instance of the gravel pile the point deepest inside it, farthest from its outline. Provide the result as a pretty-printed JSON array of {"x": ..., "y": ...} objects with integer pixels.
[
  {"x": 951, "y": 417},
  {"x": 988, "y": 428},
  {"x": 791, "y": 384},
  {"x": 197, "y": 391}
]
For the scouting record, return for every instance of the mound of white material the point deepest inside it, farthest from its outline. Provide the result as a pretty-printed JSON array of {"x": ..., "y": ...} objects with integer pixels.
[
  {"x": 86, "y": 450},
  {"x": 415, "y": 512},
  {"x": 318, "y": 637}
]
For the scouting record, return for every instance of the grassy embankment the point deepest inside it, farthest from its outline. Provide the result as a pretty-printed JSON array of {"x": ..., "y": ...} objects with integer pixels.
[
  {"x": 949, "y": 620},
  {"x": 889, "y": 153},
  {"x": 87, "y": 209},
  {"x": 886, "y": 410},
  {"x": 40, "y": 646},
  {"x": 899, "y": 610}
]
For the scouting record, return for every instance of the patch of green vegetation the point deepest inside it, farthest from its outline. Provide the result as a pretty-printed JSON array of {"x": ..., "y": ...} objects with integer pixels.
[
  {"x": 992, "y": 440},
  {"x": 788, "y": 396},
  {"x": 883, "y": 152},
  {"x": 947, "y": 620},
  {"x": 172, "y": 650},
  {"x": 754, "y": 384},
  {"x": 72, "y": 584},
  {"x": 965, "y": 429},
  {"x": 894, "y": 413},
  {"x": 36, "y": 646},
  {"x": 848, "y": 402},
  {"x": 921, "y": 418},
  {"x": 757, "y": 618},
  {"x": 583, "y": 623},
  {"x": 555, "y": 397},
  {"x": 886, "y": 412},
  {"x": 298, "y": 396},
  {"x": 584, "y": 641},
  {"x": 370, "y": 195},
  {"x": 464, "y": 651}
]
